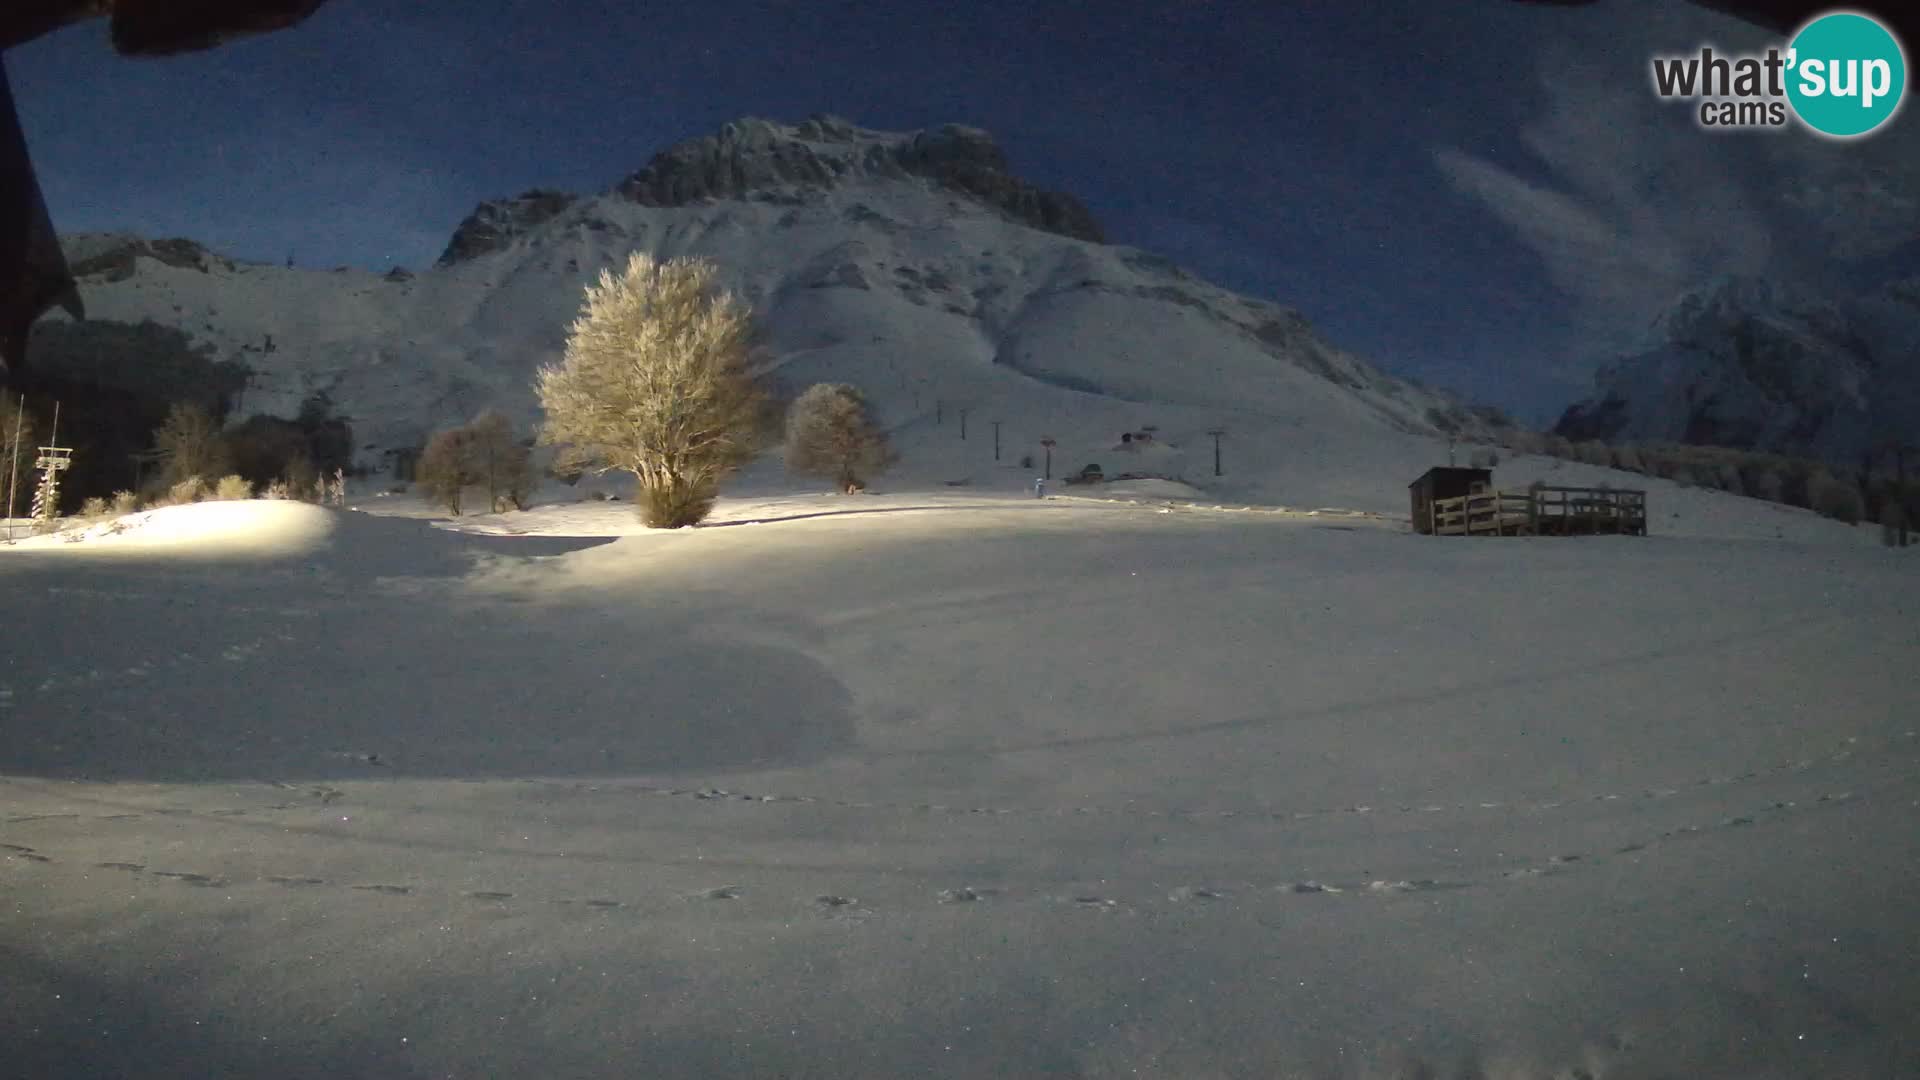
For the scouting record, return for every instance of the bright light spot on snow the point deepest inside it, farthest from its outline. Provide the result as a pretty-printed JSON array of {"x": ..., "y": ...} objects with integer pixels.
[{"x": 253, "y": 527}]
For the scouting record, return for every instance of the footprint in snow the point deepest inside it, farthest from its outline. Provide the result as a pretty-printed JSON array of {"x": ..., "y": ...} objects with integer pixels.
[
  {"x": 1185, "y": 893},
  {"x": 390, "y": 890},
  {"x": 724, "y": 892},
  {"x": 1419, "y": 885},
  {"x": 965, "y": 895},
  {"x": 202, "y": 880},
  {"x": 484, "y": 894},
  {"x": 296, "y": 882}
]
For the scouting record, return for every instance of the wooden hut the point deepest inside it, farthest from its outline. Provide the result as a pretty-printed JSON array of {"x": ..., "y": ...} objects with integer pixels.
[{"x": 1444, "y": 482}]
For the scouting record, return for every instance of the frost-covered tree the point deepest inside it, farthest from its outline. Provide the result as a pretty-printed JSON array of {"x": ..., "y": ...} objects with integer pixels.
[
  {"x": 655, "y": 382},
  {"x": 831, "y": 432}
]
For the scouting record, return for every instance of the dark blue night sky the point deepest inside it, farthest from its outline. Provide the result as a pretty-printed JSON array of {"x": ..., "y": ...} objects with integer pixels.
[{"x": 1484, "y": 195}]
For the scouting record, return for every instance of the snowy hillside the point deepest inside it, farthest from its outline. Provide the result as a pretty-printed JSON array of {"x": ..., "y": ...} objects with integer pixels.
[
  {"x": 1763, "y": 365},
  {"x": 914, "y": 265}
]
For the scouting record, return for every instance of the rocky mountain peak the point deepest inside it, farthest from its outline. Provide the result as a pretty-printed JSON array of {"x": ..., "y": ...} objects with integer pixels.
[
  {"x": 1763, "y": 364},
  {"x": 754, "y": 157}
]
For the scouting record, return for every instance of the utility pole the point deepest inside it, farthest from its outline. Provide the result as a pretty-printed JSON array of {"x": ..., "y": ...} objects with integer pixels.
[
  {"x": 1216, "y": 433},
  {"x": 996, "y": 440},
  {"x": 1048, "y": 443},
  {"x": 13, "y": 462},
  {"x": 963, "y": 424},
  {"x": 1900, "y": 486}
]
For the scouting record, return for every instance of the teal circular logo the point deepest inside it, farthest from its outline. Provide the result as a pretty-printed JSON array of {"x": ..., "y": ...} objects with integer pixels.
[{"x": 1846, "y": 74}]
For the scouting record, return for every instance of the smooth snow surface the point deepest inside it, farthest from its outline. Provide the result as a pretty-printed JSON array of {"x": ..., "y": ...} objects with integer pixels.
[{"x": 958, "y": 784}]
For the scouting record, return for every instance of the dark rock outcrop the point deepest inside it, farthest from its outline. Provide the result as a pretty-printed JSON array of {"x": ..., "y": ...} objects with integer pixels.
[
  {"x": 110, "y": 257},
  {"x": 493, "y": 225}
]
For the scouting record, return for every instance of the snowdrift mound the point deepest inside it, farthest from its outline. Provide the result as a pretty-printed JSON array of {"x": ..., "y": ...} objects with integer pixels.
[{"x": 251, "y": 527}]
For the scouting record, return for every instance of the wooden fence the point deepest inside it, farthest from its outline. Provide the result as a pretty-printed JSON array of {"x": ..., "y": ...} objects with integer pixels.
[{"x": 1542, "y": 511}]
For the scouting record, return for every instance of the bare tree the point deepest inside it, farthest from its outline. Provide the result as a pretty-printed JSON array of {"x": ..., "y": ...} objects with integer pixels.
[
  {"x": 655, "y": 382},
  {"x": 446, "y": 467},
  {"x": 831, "y": 432},
  {"x": 17, "y": 450},
  {"x": 191, "y": 446},
  {"x": 500, "y": 460}
]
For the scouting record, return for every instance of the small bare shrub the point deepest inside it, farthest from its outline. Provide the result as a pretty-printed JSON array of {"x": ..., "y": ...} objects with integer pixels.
[
  {"x": 232, "y": 488},
  {"x": 186, "y": 491},
  {"x": 124, "y": 503},
  {"x": 94, "y": 509}
]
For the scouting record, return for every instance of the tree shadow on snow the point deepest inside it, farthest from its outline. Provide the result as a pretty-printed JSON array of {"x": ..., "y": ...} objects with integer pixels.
[{"x": 339, "y": 663}]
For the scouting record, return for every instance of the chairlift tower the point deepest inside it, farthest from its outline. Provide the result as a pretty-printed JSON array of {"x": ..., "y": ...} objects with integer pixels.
[
  {"x": 46, "y": 497},
  {"x": 53, "y": 461}
]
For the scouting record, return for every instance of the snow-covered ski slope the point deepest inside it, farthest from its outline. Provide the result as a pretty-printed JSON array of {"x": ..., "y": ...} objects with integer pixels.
[{"x": 945, "y": 784}]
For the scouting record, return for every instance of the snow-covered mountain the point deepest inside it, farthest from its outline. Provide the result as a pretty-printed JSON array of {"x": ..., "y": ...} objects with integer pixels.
[
  {"x": 915, "y": 265},
  {"x": 1758, "y": 364}
]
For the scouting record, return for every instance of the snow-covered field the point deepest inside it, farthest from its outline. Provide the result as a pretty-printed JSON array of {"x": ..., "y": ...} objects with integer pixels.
[{"x": 958, "y": 782}]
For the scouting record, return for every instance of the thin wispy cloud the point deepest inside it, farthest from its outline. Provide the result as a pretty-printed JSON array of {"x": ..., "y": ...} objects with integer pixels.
[
  {"x": 1626, "y": 204},
  {"x": 1625, "y": 214}
]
